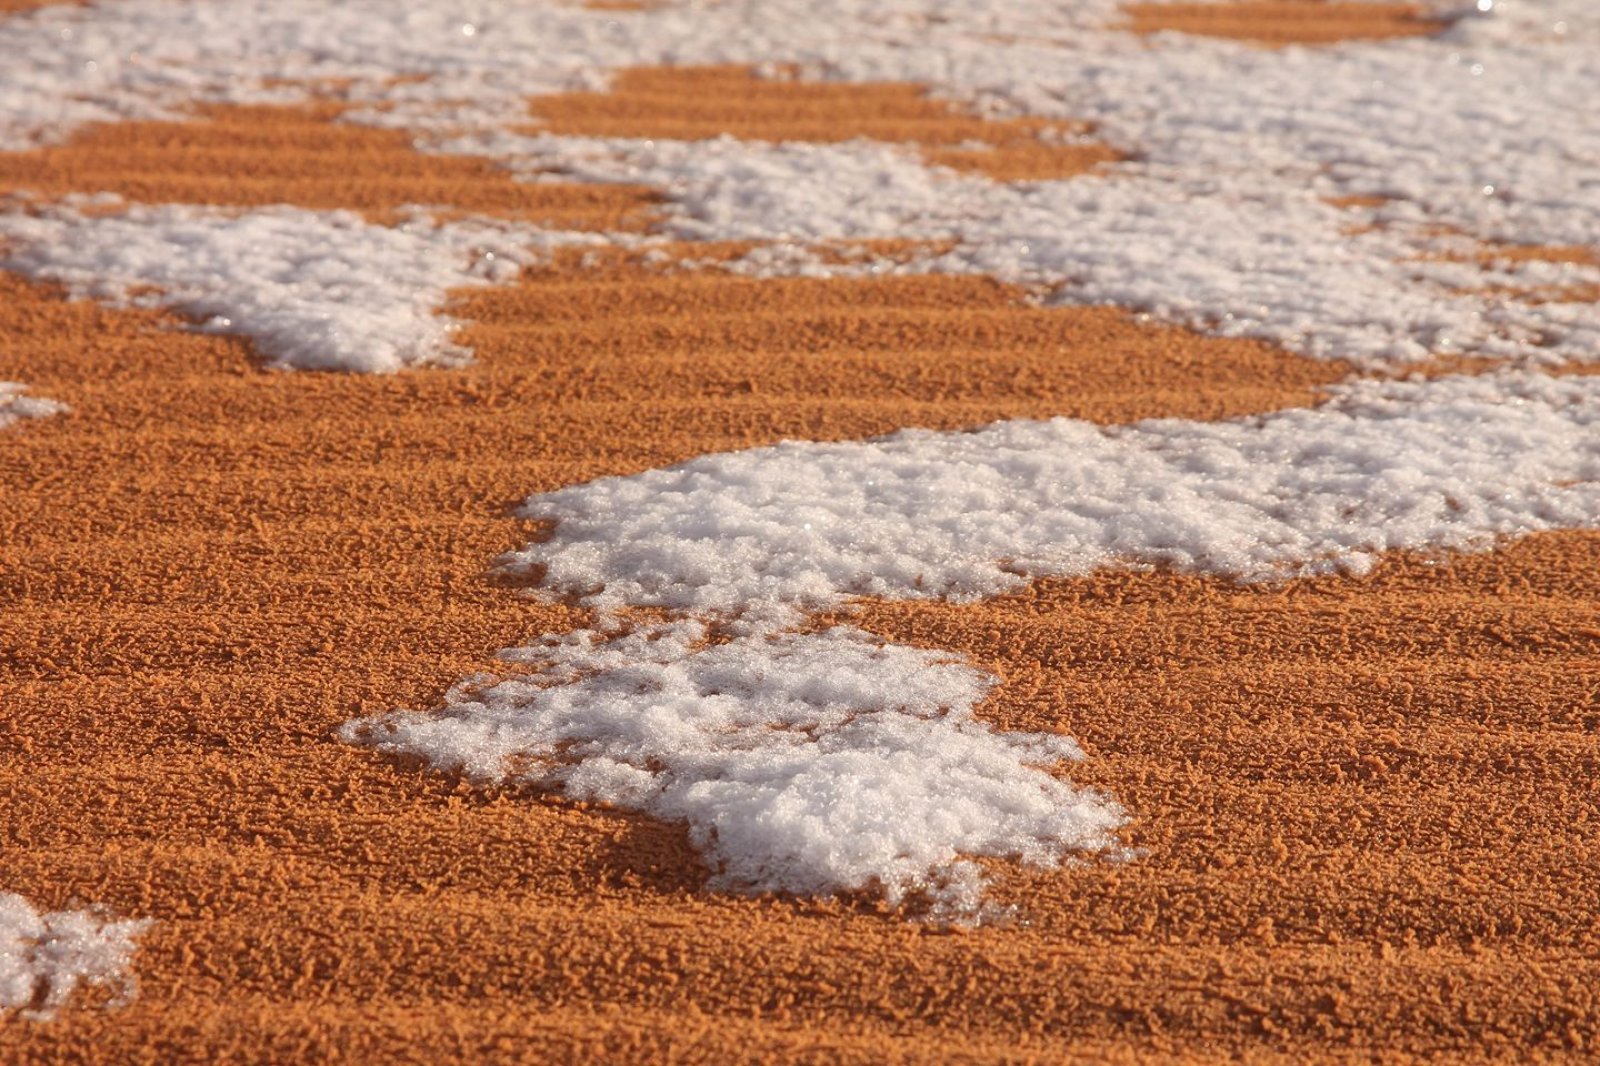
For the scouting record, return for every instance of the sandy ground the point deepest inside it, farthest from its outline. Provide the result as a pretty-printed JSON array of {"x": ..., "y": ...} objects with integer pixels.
[
  {"x": 1277, "y": 22},
  {"x": 1367, "y": 806}
]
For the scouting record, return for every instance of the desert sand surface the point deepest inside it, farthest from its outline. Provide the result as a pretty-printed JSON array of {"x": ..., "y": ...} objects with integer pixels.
[
  {"x": 1282, "y": 22},
  {"x": 1362, "y": 807}
]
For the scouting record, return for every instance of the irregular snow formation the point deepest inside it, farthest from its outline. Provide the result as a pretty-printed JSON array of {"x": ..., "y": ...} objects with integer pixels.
[
  {"x": 1219, "y": 221},
  {"x": 808, "y": 763},
  {"x": 815, "y": 762},
  {"x": 313, "y": 289},
  {"x": 45, "y": 957},
  {"x": 14, "y": 406},
  {"x": 482, "y": 58},
  {"x": 1254, "y": 259},
  {"x": 770, "y": 533}
]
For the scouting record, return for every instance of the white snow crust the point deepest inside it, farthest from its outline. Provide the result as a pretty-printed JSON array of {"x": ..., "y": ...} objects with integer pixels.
[
  {"x": 770, "y": 533},
  {"x": 808, "y": 763},
  {"x": 15, "y": 406},
  {"x": 45, "y": 957}
]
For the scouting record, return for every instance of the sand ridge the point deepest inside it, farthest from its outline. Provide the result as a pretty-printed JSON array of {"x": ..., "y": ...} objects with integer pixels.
[
  {"x": 256, "y": 155},
  {"x": 695, "y": 103},
  {"x": 1277, "y": 23}
]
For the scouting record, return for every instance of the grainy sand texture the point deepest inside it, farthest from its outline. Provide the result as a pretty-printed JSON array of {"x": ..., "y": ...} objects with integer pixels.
[{"x": 1361, "y": 815}]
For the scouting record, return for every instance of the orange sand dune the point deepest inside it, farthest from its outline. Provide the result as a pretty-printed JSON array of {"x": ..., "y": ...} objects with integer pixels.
[{"x": 1366, "y": 806}]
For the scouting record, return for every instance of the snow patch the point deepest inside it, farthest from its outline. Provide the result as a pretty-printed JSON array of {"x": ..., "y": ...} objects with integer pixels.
[
  {"x": 312, "y": 289},
  {"x": 45, "y": 957},
  {"x": 771, "y": 533},
  {"x": 14, "y": 406},
  {"x": 808, "y": 763}
]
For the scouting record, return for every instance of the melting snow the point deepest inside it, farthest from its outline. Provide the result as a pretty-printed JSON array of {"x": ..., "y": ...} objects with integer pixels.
[
  {"x": 45, "y": 957},
  {"x": 14, "y": 406}
]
